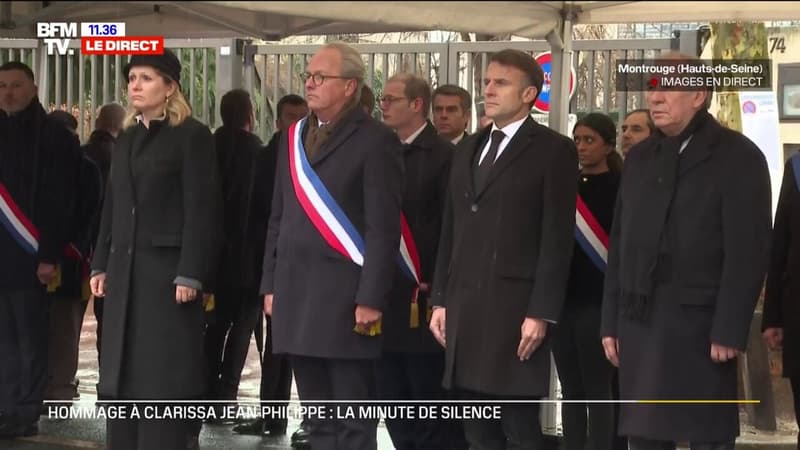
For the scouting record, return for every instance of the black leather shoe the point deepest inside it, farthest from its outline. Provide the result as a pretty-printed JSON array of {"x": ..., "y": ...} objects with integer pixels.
[
  {"x": 13, "y": 429},
  {"x": 300, "y": 438},
  {"x": 253, "y": 428}
]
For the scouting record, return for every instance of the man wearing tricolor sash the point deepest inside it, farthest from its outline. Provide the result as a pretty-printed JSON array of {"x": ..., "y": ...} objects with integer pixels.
[
  {"x": 412, "y": 365},
  {"x": 39, "y": 161},
  {"x": 332, "y": 244}
]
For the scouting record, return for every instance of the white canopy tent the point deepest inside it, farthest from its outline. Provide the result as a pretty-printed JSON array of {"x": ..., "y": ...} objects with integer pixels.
[{"x": 552, "y": 20}]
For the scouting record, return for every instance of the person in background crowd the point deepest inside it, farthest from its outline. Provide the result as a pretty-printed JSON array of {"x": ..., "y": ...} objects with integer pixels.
[
  {"x": 237, "y": 304},
  {"x": 452, "y": 108},
  {"x": 276, "y": 371},
  {"x": 412, "y": 363},
  {"x": 584, "y": 371},
  {"x": 781, "y": 321},
  {"x": 66, "y": 119},
  {"x": 159, "y": 239},
  {"x": 39, "y": 165},
  {"x": 638, "y": 126},
  {"x": 368, "y": 100},
  {"x": 107, "y": 127},
  {"x": 69, "y": 297}
]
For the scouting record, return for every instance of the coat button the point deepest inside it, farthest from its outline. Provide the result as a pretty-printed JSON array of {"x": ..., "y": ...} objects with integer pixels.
[
  {"x": 130, "y": 250},
  {"x": 133, "y": 211},
  {"x": 466, "y": 194},
  {"x": 660, "y": 180},
  {"x": 112, "y": 249},
  {"x": 474, "y": 207}
]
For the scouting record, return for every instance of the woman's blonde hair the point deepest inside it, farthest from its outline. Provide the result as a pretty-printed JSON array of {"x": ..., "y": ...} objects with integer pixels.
[{"x": 176, "y": 108}]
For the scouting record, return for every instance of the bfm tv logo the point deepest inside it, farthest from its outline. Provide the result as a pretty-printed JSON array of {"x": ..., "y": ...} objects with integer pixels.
[{"x": 96, "y": 39}]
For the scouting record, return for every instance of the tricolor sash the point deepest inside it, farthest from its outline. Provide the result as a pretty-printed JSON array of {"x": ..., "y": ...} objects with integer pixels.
[
  {"x": 591, "y": 236},
  {"x": 330, "y": 220},
  {"x": 22, "y": 229},
  {"x": 796, "y": 169}
]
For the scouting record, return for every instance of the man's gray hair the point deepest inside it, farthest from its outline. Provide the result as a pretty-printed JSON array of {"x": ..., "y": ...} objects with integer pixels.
[
  {"x": 352, "y": 65},
  {"x": 672, "y": 55}
]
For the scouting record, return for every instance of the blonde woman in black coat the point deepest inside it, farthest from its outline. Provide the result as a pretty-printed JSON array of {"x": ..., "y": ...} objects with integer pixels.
[{"x": 156, "y": 249}]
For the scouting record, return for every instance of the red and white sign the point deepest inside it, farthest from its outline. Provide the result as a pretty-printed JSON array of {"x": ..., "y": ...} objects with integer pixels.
[
  {"x": 123, "y": 45},
  {"x": 542, "y": 103}
]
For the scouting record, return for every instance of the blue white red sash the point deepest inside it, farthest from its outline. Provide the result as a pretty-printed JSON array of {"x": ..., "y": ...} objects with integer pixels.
[
  {"x": 796, "y": 169},
  {"x": 327, "y": 216},
  {"x": 591, "y": 236},
  {"x": 22, "y": 229}
]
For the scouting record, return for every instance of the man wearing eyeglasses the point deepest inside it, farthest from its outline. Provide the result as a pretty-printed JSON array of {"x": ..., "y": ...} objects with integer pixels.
[
  {"x": 332, "y": 246},
  {"x": 412, "y": 364}
]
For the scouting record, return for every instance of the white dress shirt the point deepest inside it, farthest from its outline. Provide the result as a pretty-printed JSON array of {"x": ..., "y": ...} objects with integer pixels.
[
  {"x": 414, "y": 135},
  {"x": 509, "y": 130},
  {"x": 458, "y": 139}
]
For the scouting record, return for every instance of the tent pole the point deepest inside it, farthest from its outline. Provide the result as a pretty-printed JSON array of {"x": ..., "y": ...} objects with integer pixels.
[{"x": 560, "y": 40}]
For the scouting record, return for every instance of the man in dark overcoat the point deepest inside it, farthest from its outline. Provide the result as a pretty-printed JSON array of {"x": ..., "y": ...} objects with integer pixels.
[
  {"x": 781, "y": 321},
  {"x": 412, "y": 363},
  {"x": 328, "y": 303},
  {"x": 504, "y": 259},
  {"x": 687, "y": 259},
  {"x": 39, "y": 165}
]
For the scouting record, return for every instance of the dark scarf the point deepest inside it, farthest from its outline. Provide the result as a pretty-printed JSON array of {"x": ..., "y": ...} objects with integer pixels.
[{"x": 643, "y": 238}]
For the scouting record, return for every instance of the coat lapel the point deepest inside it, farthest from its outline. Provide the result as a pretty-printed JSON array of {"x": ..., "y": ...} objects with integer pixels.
[
  {"x": 347, "y": 125},
  {"x": 519, "y": 143},
  {"x": 699, "y": 148},
  {"x": 470, "y": 153}
]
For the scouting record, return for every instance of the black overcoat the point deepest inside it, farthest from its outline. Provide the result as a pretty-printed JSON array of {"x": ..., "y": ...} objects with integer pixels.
[
  {"x": 782, "y": 296},
  {"x": 161, "y": 224},
  {"x": 427, "y": 169},
  {"x": 315, "y": 288},
  {"x": 710, "y": 272},
  {"x": 504, "y": 256}
]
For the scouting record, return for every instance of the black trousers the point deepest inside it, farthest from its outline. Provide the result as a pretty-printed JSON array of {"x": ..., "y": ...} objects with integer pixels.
[
  {"x": 23, "y": 353},
  {"x": 795, "y": 382},
  {"x": 406, "y": 376},
  {"x": 337, "y": 379},
  {"x": 276, "y": 375},
  {"x": 648, "y": 444},
  {"x": 227, "y": 340},
  {"x": 97, "y": 308},
  {"x": 518, "y": 428},
  {"x": 66, "y": 320},
  {"x": 148, "y": 434},
  {"x": 585, "y": 374}
]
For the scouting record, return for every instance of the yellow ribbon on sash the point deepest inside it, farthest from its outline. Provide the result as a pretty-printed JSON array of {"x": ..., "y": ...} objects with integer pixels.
[{"x": 55, "y": 283}]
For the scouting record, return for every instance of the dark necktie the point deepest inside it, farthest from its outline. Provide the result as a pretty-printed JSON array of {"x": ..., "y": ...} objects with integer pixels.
[
  {"x": 485, "y": 166},
  {"x": 316, "y": 137}
]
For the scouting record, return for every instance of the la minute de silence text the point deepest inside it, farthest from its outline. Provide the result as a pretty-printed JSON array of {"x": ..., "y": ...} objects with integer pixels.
[{"x": 238, "y": 412}]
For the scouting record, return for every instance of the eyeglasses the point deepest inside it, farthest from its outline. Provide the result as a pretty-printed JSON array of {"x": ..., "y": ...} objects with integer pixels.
[
  {"x": 389, "y": 99},
  {"x": 319, "y": 78}
]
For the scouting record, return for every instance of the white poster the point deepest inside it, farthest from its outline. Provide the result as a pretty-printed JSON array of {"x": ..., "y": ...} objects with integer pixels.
[{"x": 760, "y": 124}]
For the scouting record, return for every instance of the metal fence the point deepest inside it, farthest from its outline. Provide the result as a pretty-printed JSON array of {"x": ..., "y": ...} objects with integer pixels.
[
  {"x": 276, "y": 70},
  {"x": 81, "y": 84}
]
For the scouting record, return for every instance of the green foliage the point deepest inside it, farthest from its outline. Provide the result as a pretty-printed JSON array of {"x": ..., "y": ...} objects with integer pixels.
[
  {"x": 741, "y": 40},
  {"x": 188, "y": 83}
]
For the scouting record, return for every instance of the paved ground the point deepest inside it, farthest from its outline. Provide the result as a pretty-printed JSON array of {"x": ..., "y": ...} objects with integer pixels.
[{"x": 90, "y": 434}]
